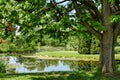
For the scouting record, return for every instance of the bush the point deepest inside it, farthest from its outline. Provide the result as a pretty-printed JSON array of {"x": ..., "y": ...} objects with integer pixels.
[
  {"x": 95, "y": 45},
  {"x": 2, "y": 67},
  {"x": 117, "y": 50},
  {"x": 88, "y": 45}
]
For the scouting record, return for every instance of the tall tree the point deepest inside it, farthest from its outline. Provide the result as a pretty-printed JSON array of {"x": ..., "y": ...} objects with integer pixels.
[
  {"x": 100, "y": 18},
  {"x": 97, "y": 17},
  {"x": 101, "y": 13}
]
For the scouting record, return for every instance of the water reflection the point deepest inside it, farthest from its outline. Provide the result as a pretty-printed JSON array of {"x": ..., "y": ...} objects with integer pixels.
[{"x": 24, "y": 65}]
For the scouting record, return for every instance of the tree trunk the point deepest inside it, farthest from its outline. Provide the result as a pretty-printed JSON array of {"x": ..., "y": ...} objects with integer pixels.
[{"x": 107, "y": 59}]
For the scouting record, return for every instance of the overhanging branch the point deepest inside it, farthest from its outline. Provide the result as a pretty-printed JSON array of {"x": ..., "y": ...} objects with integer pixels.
[
  {"x": 62, "y": 1},
  {"x": 56, "y": 8},
  {"x": 116, "y": 13},
  {"x": 75, "y": 5},
  {"x": 45, "y": 8},
  {"x": 92, "y": 9},
  {"x": 91, "y": 30}
]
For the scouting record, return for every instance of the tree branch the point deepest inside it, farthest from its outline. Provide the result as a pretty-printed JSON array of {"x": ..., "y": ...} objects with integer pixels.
[
  {"x": 78, "y": 13},
  {"x": 92, "y": 30},
  {"x": 45, "y": 8},
  {"x": 116, "y": 13},
  {"x": 115, "y": 7},
  {"x": 92, "y": 9},
  {"x": 89, "y": 28},
  {"x": 117, "y": 3},
  {"x": 62, "y": 1},
  {"x": 56, "y": 8}
]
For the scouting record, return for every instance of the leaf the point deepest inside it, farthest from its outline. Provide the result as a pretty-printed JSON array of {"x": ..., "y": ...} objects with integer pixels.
[{"x": 115, "y": 18}]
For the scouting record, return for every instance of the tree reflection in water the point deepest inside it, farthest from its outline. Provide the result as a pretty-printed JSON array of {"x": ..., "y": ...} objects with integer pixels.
[{"x": 26, "y": 65}]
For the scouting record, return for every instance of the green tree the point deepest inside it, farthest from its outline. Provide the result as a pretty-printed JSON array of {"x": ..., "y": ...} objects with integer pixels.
[
  {"x": 97, "y": 17},
  {"x": 100, "y": 18},
  {"x": 88, "y": 44}
]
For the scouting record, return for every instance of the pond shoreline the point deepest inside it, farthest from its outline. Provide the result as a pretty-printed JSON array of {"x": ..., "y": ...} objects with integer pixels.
[{"x": 58, "y": 58}]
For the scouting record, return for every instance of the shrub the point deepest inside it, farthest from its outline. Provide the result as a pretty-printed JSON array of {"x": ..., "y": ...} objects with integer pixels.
[
  {"x": 2, "y": 67},
  {"x": 117, "y": 50},
  {"x": 88, "y": 45},
  {"x": 95, "y": 45}
]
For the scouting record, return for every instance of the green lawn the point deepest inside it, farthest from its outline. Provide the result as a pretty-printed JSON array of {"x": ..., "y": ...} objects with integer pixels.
[
  {"x": 67, "y": 54},
  {"x": 73, "y": 54},
  {"x": 60, "y": 76}
]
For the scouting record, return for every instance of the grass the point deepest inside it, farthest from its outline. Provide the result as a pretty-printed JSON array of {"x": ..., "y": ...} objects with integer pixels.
[
  {"x": 72, "y": 54},
  {"x": 68, "y": 54},
  {"x": 60, "y": 76}
]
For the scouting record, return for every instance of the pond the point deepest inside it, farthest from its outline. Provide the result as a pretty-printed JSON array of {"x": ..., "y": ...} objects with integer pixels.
[{"x": 18, "y": 64}]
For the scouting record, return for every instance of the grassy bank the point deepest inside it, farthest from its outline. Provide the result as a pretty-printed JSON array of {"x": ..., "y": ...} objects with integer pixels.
[
  {"x": 60, "y": 76},
  {"x": 67, "y": 54},
  {"x": 72, "y": 54},
  {"x": 62, "y": 54}
]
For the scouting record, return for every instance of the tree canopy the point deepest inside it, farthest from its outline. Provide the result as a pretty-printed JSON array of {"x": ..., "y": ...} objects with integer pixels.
[{"x": 61, "y": 18}]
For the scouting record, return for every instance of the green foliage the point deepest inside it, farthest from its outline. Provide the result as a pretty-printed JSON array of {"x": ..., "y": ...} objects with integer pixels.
[
  {"x": 117, "y": 45},
  {"x": 112, "y": 1},
  {"x": 88, "y": 45},
  {"x": 95, "y": 45},
  {"x": 84, "y": 47},
  {"x": 47, "y": 24},
  {"x": 97, "y": 25},
  {"x": 3, "y": 47},
  {"x": 115, "y": 18},
  {"x": 12, "y": 47},
  {"x": 72, "y": 43},
  {"x": 2, "y": 67},
  {"x": 117, "y": 50}
]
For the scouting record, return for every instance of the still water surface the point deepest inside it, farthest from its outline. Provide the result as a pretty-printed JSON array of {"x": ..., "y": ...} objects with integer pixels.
[{"x": 23, "y": 65}]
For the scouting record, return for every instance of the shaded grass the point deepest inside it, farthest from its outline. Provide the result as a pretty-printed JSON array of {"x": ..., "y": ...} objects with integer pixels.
[{"x": 82, "y": 75}]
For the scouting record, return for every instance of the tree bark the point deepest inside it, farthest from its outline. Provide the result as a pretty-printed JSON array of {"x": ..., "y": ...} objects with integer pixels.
[{"x": 107, "y": 58}]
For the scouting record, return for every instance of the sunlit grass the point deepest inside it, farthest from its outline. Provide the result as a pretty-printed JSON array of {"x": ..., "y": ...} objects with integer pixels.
[
  {"x": 68, "y": 54},
  {"x": 72, "y": 54},
  {"x": 117, "y": 56}
]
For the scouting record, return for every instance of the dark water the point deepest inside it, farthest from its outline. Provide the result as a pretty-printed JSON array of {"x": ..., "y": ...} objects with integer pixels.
[{"x": 24, "y": 65}]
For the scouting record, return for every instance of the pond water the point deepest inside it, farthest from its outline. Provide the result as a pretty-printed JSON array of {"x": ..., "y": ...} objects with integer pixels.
[{"x": 17, "y": 64}]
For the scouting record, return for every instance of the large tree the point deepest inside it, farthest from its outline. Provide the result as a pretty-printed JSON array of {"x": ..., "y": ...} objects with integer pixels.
[
  {"x": 97, "y": 17},
  {"x": 101, "y": 11},
  {"x": 100, "y": 18}
]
